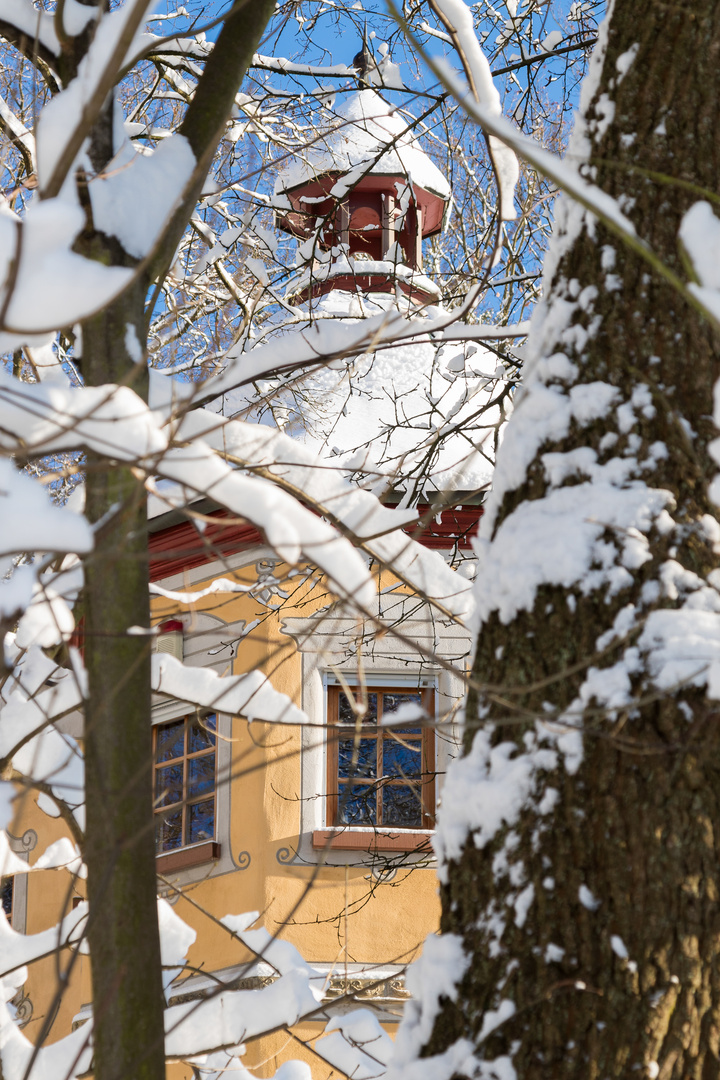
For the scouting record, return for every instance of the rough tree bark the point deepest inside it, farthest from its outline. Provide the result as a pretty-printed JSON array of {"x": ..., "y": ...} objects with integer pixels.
[{"x": 622, "y": 979}]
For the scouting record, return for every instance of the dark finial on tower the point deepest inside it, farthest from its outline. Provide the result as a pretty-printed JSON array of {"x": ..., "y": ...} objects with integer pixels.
[{"x": 363, "y": 61}]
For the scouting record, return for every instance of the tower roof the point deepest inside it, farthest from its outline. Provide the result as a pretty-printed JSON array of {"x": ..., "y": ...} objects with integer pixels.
[{"x": 369, "y": 137}]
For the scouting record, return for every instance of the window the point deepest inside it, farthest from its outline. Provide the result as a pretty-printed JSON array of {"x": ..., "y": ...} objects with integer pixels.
[
  {"x": 378, "y": 775},
  {"x": 7, "y": 896},
  {"x": 185, "y": 791}
]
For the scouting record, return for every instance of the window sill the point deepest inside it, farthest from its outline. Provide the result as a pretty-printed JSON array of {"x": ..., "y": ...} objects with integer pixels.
[
  {"x": 372, "y": 840},
  {"x": 185, "y": 858}
]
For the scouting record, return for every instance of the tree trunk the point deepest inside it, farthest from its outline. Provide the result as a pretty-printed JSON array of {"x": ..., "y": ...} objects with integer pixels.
[
  {"x": 120, "y": 845},
  {"x": 582, "y": 864},
  {"x": 123, "y": 933}
]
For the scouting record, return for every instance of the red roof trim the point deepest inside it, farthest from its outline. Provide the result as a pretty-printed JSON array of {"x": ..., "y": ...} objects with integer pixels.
[
  {"x": 457, "y": 525},
  {"x": 182, "y": 547}
]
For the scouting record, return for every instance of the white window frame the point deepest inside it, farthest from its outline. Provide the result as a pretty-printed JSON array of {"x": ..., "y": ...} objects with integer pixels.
[
  {"x": 325, "y": 645},
  {"x": 21, "y": 846}
]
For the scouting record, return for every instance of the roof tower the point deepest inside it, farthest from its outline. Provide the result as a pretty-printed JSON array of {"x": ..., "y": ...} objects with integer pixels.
[{"x": 369, "y": 192}]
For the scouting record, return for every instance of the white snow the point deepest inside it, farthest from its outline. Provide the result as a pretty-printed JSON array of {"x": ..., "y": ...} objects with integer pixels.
[
  {"x": 700, "y": 236},
  {"x": 505, "y": 162},
  {"x": 14, "y": 127},
  {"x": 236, "y": 1016},
  {"x": 281, "y": 955},
  {"x": 320, "y": 479},
  {"x": 400, "y": 410},
  {"x": 18, "y": 949},
  {"x": 76, "y": 17},
  {"x": 176, "y": 937},
  {"x": 486, "y": 790},
  {"x": 568, "y": 548},
  {"x": 68, "y": 1057},
  {"x": 66, "y": 112},
  {"x": 62, "y": 855},
  {"x": 53, "y": 286},
  {"x": 32, "y": 522},
  {"x": 138, "y": 192},
  {"x": 46, "y": 754},
  {"x": 42, "y": 417},
  {"x": 625, "y": 61},
  {"x": 437, "y": 973},
  {"x": 116, "y": 422},
  {"x": 356, "y": 1045},
  {"x": 32, "y": 22},
  {"x": 458, "y": 1060},
  {"x": 561, "y": 171},
  {"x": 370, "y": 135},
  {"x": 10, "y": 863},
  {"x": 361, "y": 268},
  {"x": 250, "y": 695},
  {"x": 493, "y": 1018},
  {"x": 683, "y": 648},
  {"x": 522, "y": 905},
  {"x": 587, "y": 899},
  {"x": 290, "y": 528},
  {"x": 219, "y": 585},
  {"x": 552, "y": 40}
]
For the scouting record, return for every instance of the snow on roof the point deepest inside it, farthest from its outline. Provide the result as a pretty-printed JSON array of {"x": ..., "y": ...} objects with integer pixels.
[
  {"x": 408, "y": 411},
  {"x": 370, "y": 135},
  {"x": 348, "y": 265}
]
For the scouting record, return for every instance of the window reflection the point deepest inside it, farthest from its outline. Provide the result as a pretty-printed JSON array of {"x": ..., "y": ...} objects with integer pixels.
[
  {"x": 185, "y": 782},
  {"x": 379, "y": 774}
]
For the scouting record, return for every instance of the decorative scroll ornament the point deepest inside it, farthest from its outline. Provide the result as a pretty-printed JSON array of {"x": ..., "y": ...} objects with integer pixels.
[
  {"x": 22, "y": 1004},
  {"x": 25, "y": 843}
]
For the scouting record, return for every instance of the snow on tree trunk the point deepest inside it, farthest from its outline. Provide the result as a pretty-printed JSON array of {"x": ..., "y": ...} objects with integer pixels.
[{"x": 580, "y": 833}]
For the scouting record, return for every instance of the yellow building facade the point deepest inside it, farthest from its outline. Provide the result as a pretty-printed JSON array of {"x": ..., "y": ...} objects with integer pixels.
[{"x": 346, "y": 876}]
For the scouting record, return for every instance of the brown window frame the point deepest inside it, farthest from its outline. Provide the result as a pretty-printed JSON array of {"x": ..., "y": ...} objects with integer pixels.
[
  {"x": 199, "y": 851},
  {"x": 427, "y": 768}
]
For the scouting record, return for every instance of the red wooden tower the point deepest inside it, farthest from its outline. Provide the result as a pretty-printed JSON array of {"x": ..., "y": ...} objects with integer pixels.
[{"x": 367, "y": 194}]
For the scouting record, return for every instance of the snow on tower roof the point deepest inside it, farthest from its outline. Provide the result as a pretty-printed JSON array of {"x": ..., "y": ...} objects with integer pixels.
[
  {"x": 370, "y": 136},
  {"x": 421, "y": 413}
]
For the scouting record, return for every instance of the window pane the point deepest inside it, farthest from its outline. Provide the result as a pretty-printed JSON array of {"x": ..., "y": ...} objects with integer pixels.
[
  {"x": 201, "y": 775},
  {"x": 401, "y": 806},
  {"x": 7, "y": 895},
  {"x": 346, "y": 714},
  {"x": 402, "y": 758},
  {"x": 392, "y": 702},
  {"x": 370, "y": 716},
  {"x": 169, "y": 785},
  {"x": 170, "y": 741},
  {"x": 201, "y": 734},
  {"x": 201, "y": 821},
  {"x": 169, "y": 831},
  {"x": 366, "y": 762},
  {"x": 357, "y": 804}
]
